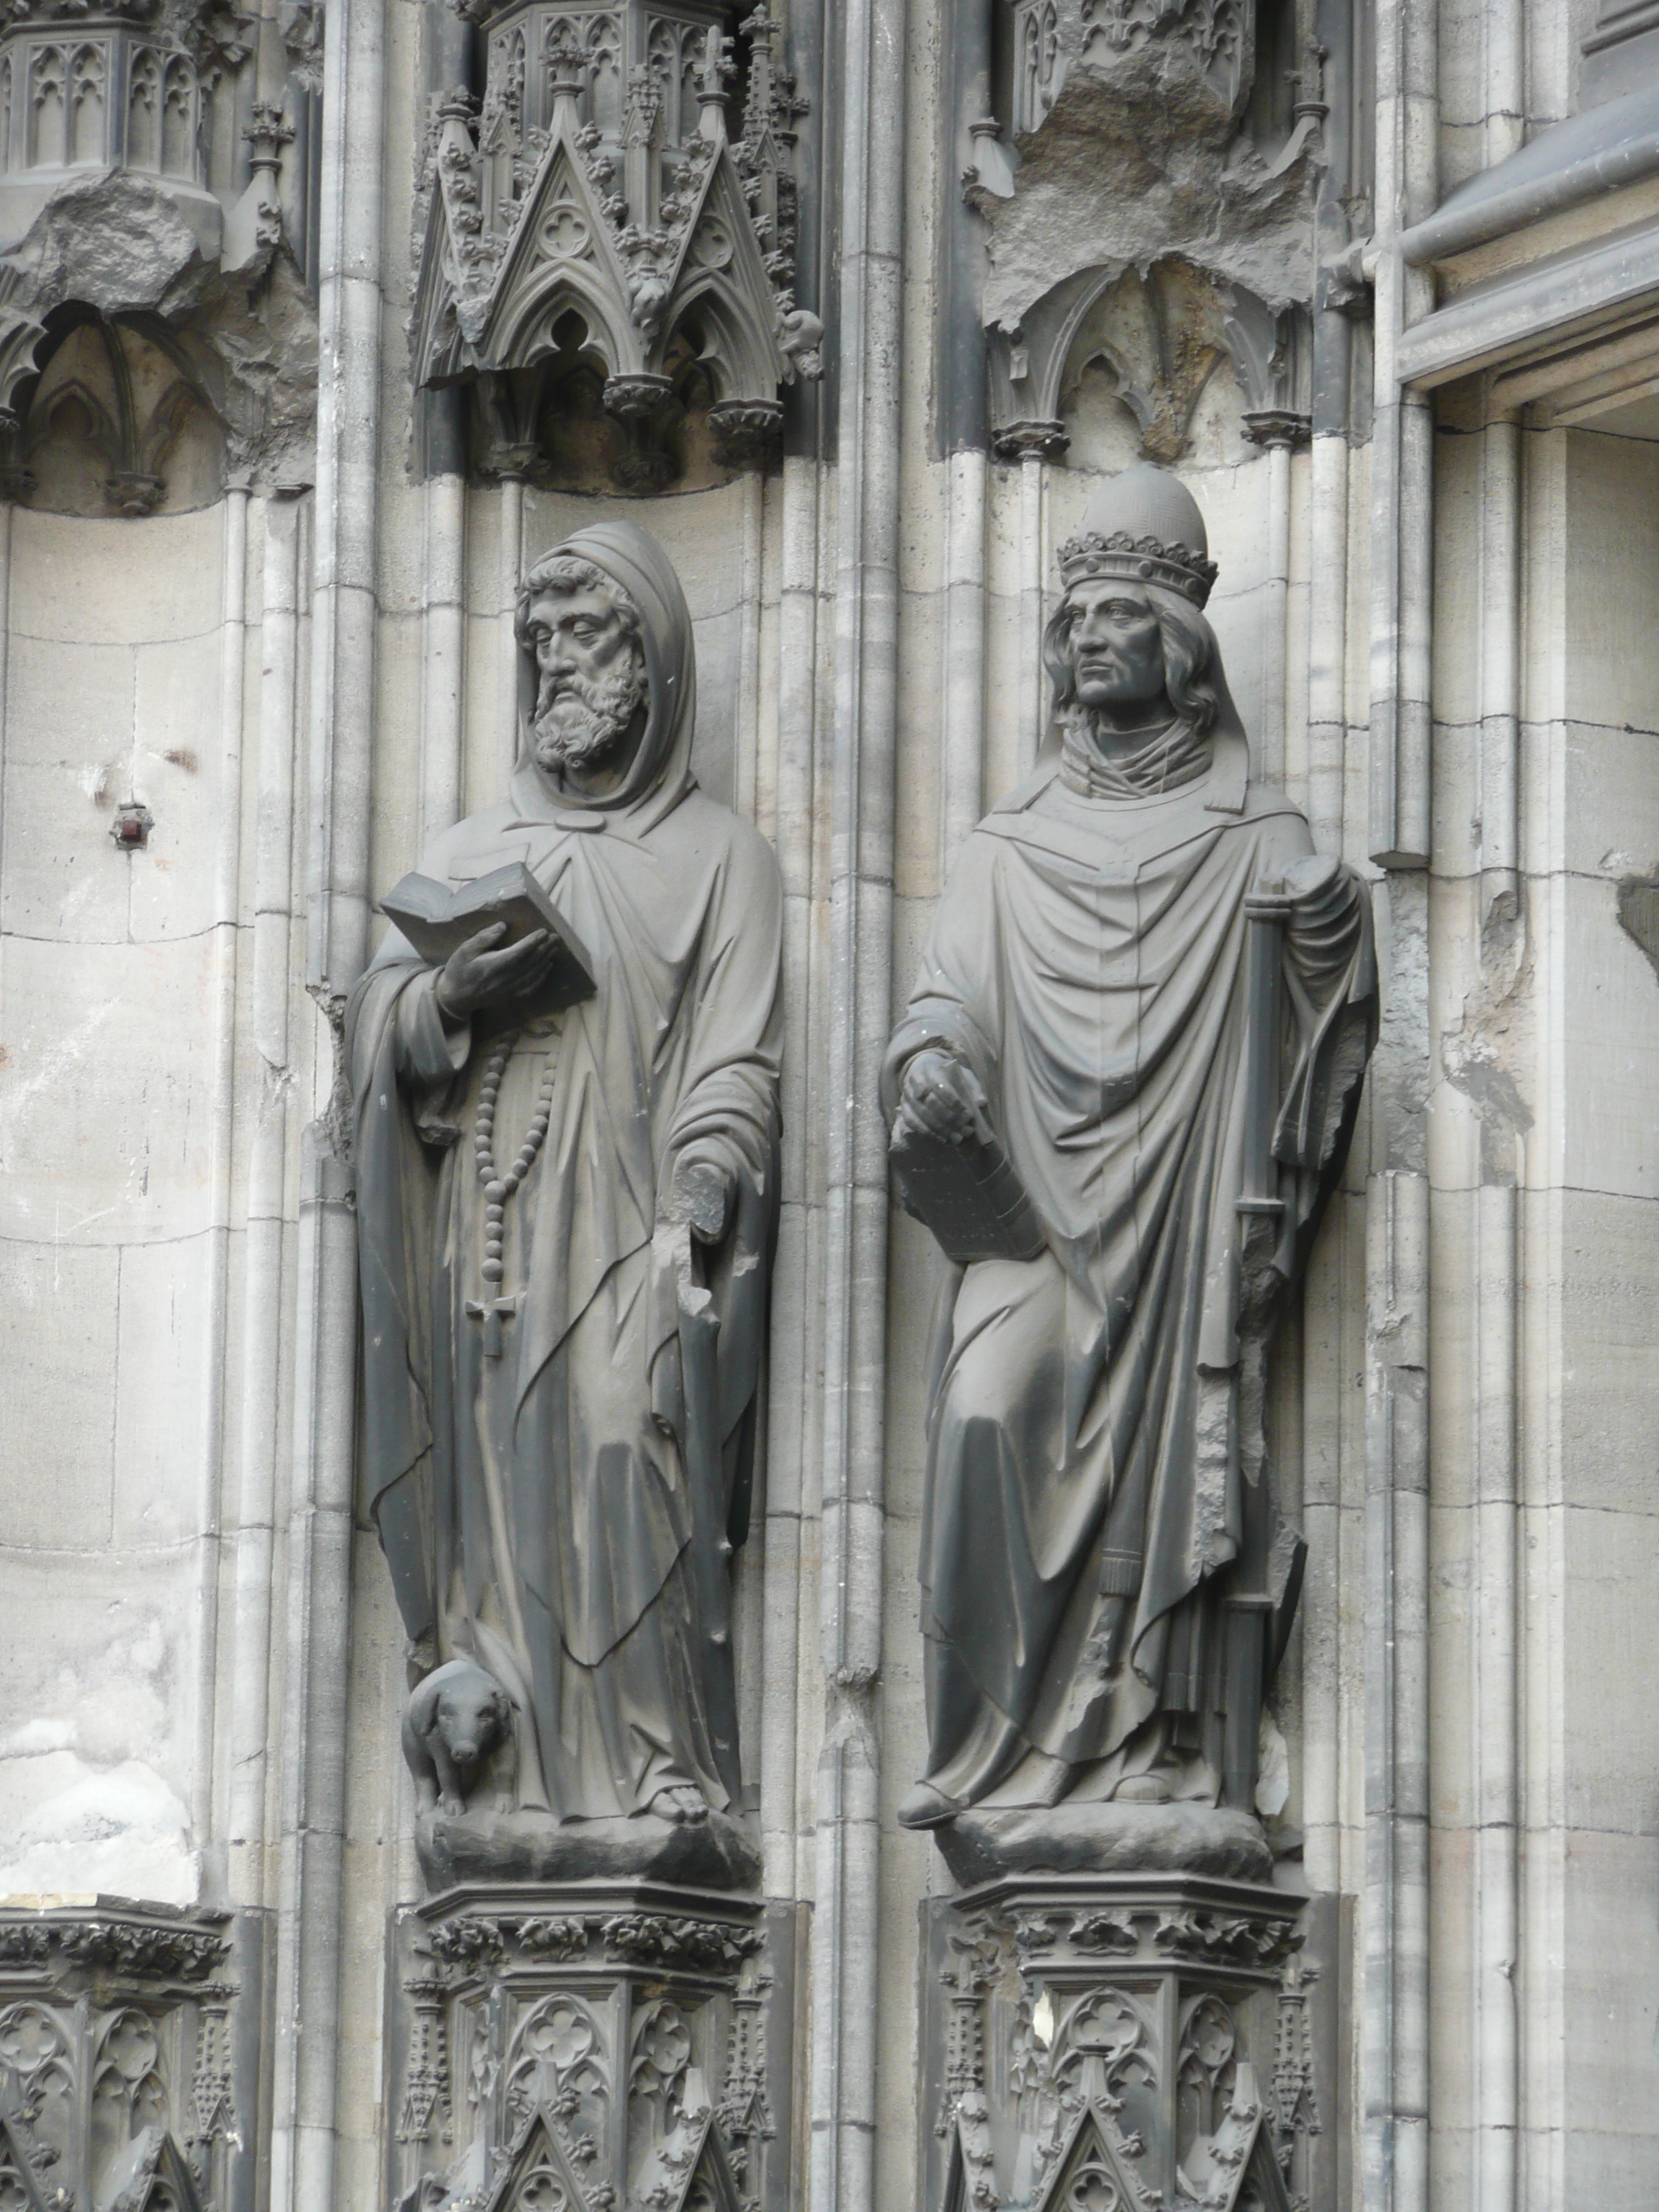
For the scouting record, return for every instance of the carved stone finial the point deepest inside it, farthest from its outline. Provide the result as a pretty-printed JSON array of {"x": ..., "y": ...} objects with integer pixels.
[
  {"x": 266, "y": 135},
  {"x": 567, "y": 66},
  {"x": 714, "y": 73}
]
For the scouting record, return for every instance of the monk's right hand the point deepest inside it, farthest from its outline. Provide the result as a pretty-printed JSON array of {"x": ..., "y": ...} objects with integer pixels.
[
  {"x": 940, "y": 1097},
  {"x": 476, "y": 975}
]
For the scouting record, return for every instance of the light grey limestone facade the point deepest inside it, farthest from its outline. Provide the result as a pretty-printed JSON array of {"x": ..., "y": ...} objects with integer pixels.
[{"x": 1379, "y": 280}]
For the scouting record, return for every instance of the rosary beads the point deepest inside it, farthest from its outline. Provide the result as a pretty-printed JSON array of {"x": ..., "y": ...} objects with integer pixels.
[{"x": 499, "y": 1187}]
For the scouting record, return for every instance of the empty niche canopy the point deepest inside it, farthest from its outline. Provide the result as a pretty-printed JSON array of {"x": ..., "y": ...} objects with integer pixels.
[{"x": 601, "y": 259}]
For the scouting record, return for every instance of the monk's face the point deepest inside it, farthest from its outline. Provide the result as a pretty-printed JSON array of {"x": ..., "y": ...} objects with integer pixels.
[
  {"x": 591, "y": 680},
  {"x": 1117, "y": 652}
]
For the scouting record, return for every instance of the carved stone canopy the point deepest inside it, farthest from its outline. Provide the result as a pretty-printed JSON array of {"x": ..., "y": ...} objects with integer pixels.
[
  {"x": 594, "y": 217},
  {"x": 1158, "y": 336},
  {"x": 141, "y": 187}
]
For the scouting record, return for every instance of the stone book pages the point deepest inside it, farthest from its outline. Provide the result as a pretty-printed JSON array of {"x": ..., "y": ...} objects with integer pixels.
[
  {"x": 437, "y": 920},
  {"x": 968, "y": 1194}
]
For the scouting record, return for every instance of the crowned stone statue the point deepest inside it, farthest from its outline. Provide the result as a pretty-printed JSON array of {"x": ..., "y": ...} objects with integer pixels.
[
  {"x": 1122, "y": 1095},
  {"x": 567, "y": 1176}
]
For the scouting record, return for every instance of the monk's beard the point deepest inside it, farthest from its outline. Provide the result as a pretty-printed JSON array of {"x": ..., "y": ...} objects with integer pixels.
[{"x": 582, "y": 722}]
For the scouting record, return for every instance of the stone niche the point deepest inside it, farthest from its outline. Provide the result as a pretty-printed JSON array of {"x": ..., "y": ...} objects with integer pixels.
[
  {"x": 604, "y": 269},
  {"x": 588, "y": 2046},
  {"x": 155, "y": 325},
  {"x": 1147, "y": 187}
]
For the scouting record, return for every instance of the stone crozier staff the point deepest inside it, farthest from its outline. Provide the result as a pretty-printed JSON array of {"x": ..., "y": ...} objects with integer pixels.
[
  {"x": 565, "y": 1222},
  {"x": 1099, "y": 1578}
]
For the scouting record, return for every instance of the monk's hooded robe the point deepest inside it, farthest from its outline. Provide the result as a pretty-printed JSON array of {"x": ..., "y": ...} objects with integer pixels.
[
  {"x": 536, "y": 1508},
  {"x": 1094, "y": 1444}
]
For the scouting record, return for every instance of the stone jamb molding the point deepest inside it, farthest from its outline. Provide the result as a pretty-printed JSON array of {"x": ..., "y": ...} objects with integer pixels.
[
  {"x": 620, "y": 2038},
  {"x": 128, "y": 2058},
  {"x": 595, "y": 205}
]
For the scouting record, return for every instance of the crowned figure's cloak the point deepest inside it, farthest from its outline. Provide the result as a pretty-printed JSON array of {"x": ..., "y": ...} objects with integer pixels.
[
  {"x": 1095, "y": 1460},
  {"x": 536, "y": 1508}
]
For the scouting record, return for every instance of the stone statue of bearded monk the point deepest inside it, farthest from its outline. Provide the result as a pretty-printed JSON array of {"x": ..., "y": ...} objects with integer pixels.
[
  {"x": 561, "y": 1370},
  {"x": 1105, "y": 1583}
]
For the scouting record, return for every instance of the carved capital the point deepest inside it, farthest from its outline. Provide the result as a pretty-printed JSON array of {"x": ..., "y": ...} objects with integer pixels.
[
  {"x": 747, "y": 431},
  {"x": 1031, "y": 441}
]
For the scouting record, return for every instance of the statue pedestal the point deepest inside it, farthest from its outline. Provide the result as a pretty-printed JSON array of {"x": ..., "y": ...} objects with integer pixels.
[
  {"x": 478, "y": 1846},
  {"x": 1118, "y": 2042},
  {"x": 592, "y": 2046}
]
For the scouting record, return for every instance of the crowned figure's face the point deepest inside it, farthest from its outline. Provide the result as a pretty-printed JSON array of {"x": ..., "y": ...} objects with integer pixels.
[
  {"x": 1117, "y": 653},
  {"x": 591, "y": 684}
]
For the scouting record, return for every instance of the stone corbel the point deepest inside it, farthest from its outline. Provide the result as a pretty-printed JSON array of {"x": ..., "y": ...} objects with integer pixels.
[
  {"x": 607, "y": 2045},
  {"x": 128, "y": 2058},
  {"x": 1137, "y": 2041}
]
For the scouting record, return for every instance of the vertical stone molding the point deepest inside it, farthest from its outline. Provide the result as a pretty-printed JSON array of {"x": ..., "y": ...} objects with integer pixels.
[
  {"x": 592, "y": 2046},
  {"x": 129, "y": 2059}
]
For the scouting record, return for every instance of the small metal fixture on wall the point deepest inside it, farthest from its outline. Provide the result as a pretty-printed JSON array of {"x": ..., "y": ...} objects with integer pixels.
[
  {"x": 602, "y": 265},
  {"x": 132, "y": 824}
]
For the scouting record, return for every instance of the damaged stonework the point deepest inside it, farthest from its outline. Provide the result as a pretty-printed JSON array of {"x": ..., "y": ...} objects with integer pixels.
[
  {"x": 1140, "y": 166},
  {"x": 1493, "y": 1038},
  {"x": 111, "y": 249},
  {"x": 155, "y": 330}
]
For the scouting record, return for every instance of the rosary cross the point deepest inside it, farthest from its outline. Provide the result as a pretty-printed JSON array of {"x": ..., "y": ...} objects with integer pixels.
[{"x": 491, "y": 1312}]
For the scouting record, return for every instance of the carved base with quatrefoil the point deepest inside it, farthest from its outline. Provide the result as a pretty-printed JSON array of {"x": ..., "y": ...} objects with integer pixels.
[
  {"x": 591, "y": 2046},
  {"x": 128, "y": 2058},
  {"x": 1126, "y": 2043}
]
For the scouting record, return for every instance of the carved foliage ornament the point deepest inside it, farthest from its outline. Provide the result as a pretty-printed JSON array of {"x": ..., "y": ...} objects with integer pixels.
[{"x": 1131, "y": 2043}]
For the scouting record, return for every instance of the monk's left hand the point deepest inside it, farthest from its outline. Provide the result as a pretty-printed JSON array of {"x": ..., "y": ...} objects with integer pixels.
[{"x": 701, "y": 1195}]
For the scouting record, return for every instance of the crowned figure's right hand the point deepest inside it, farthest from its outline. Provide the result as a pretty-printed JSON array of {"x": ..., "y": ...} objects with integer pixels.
[{"x": 941, "y": 1096}]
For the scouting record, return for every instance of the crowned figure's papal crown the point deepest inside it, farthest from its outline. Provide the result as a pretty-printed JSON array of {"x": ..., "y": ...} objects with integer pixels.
[{"x": 1145, "y": 527}]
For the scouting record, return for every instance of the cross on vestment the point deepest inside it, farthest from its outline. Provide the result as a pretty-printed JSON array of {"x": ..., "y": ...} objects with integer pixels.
[{"x": 491, "y": 1312}]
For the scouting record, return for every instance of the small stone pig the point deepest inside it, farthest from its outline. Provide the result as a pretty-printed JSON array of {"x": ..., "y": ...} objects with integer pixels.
[{"x": 457, "y": 1717}]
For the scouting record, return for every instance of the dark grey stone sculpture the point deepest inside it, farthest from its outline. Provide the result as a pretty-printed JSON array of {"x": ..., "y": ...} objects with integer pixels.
[
  {"x": 565, "y": 1207},
  {"x": 1147, "y": 1003}
]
